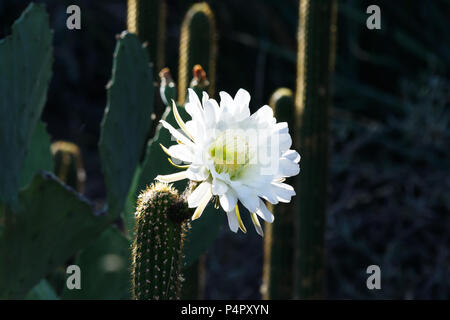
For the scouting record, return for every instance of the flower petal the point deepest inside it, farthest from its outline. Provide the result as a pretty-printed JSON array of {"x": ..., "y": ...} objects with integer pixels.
[
  {"x": 172, "y": 177},
  {"x": 180, "y": 152},
  {"x": 209, "y": 113},
  {"x": 256, "y": 223},
  {"x": 228, "y": 200},
  {"x": 226, "y": 101},
  {"x": 180, "y": 121},
  {"x": 292, "y": 155},
  {"x": 242, "y": 97},
  {"x": 197, "y": 172},
  {"x": 242, "y": 100},
  {"x": 283, "y": 191},
  {"x": 177, "y": 134},
  {"x": 288, "y": 168},
  {"x": 219, "y": 187},
  {"x": 241, "y": 224},
  {"x": 247, "y": 196},
  {"x": 263, "y": 114},
  {"x": 203, "y": 203},
  {"x": 196, "y": 196},
  {"x": 193, "y": 106},
  {"x": 232, "y": 221},
  {"x": 264, "y": 213}
]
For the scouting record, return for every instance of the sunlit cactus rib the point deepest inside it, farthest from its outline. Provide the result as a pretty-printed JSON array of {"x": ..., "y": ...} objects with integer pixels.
[
  {"x": 279, "y": 235},
  {"x": 69, "y": 164},
  {"x": 198, "y": 45},
  {"x": 316, "y": 47},
  {"x": 161, "y": 216}
]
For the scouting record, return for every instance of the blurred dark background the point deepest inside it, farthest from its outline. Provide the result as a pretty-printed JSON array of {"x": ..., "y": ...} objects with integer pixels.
[{"x": 390, "y": 161}]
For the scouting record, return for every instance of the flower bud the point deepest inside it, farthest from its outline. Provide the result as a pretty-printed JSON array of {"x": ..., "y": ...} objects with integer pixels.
[
  {"x": 199, "y": 81},
  {"x": 167, "y": 89}
]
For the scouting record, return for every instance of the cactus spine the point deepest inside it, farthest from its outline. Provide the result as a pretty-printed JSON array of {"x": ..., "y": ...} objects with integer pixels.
[
  {"x": 198, "y": 45},
  {"x": 69, "y": 164},
  {"x": 279, "y": 235},
  {"x": 315, "y": 61},
  {"x": 157, "y": 248}
]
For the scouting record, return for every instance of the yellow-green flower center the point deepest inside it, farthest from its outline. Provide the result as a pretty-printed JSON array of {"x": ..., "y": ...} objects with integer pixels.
[{"x": 230, "y": 153}]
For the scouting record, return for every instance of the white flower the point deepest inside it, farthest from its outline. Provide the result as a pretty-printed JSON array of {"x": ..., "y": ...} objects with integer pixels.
[{"x": 233, "y": 156}]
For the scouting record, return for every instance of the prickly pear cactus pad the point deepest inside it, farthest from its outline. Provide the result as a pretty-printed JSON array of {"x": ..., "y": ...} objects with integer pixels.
[
  {"x": 38, "y": 156},
  {"x": 105, "y": 265},
  {"x": 127, "y": 119},
  {"x": 26, "y": 58},
  {"x": 157, "y": 248},
  {"x": 52, "y": 224}
]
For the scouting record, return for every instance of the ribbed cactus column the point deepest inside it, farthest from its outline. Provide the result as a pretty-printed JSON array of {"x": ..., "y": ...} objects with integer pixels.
[
  {"x": 147, "y": 18},
  {"x": 69, "y": 164},
  {"x": 316, "y": 39},
  {"x": 161, "y": 216},
  {"x": 279, "y": 235},
  {"x": 198, "y": 45}
]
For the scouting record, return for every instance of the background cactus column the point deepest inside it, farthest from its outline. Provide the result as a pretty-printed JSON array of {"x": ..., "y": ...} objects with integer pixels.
[
  {"x": 147, "y": 18},
  {"x": 198, "y": 45},
  {"x": 315, "y": 62},
  {"x": 279, "y": 235},
  {"x": 157, "y": 248},
  {"x": 69, "y": 164}
]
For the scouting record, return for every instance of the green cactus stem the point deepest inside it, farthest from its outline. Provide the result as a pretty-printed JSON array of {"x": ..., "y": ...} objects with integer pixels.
[
  {"x": 161, "y": 216},
  {"x": 147, "y": 18},
  {"x": 69, "y": 164},
  {"x": 279, "y": 235},
  {"x": 198, "y": 45},
  {"x": 316, "y": 47}
]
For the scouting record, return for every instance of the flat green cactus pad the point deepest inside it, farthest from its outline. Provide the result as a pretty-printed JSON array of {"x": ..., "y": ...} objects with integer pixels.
[
  {"x": 38, "y": 156},
  {"x": 25, "y": 70},
  {"x": 105, "y": 268},
  {"x": 127, "y": 119},
  {"x": 52, "y": 224},
  {"x": 42, "y": 291}
]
